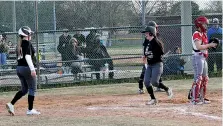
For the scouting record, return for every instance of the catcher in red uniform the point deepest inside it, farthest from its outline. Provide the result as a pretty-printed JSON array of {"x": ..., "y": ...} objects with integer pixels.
[{"x": 197, "y": 94}]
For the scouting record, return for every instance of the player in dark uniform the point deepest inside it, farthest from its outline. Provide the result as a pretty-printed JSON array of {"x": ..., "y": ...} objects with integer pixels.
[
  {"x": 141, "y": 78},
  {"x": 154, "y": 51},
  {"x": 25, "y": 71}
]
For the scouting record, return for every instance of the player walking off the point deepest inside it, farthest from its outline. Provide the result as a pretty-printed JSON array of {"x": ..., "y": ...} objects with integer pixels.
[
  {"x": 153, "y": 57},
  {"x": 25, "y": 71},
  {"x": 141, "y": 78},
  {"x": 200, "y": 53}
]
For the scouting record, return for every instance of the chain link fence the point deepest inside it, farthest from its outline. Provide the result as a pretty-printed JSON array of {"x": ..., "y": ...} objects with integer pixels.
[{"x": 96, "y": 40}]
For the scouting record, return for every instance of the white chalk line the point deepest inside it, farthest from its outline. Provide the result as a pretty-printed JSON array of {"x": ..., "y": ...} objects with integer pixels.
[
  {"x": 183, "y": 111},
  {"x": 179, "y": 110}
]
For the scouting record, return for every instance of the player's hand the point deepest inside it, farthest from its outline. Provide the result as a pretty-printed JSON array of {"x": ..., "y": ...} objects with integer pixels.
[
  {"x": 144, "y": 60},
  {"x": 213, "y": 45},
  {"x": 33, "y": 73}
]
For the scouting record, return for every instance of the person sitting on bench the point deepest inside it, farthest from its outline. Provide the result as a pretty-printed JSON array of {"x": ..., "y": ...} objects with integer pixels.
[
  {"x": 75, "y": 54},
  {"x": 99, "y": 51}
]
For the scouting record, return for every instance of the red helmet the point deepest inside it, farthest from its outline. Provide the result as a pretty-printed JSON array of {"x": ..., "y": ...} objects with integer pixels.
[{"x": 199, "y": 23}]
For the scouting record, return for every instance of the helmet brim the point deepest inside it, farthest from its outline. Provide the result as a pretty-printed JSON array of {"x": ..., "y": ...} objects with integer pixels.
[{"x": 144, "y": 31}]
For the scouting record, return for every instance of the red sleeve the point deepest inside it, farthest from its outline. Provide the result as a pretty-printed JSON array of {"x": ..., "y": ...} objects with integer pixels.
[{"x": 196, "y": 36}]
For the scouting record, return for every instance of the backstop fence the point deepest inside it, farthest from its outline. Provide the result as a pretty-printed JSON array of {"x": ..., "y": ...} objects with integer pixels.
[{"x": 89, "y": 47}]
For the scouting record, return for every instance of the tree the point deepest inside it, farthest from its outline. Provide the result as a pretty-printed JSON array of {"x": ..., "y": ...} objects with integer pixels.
[
  {"x": 25, "y": 15},
  {"x": 45, "y": 15},
  {"x": 176, "y": 9},
  {"x": 163, "y": 8},
  {"x": 80, "y": 14},
  {"x": 149, "y": 7},
  {"x": 214, "y": 7},
  {"x": 5, "y": 16}
]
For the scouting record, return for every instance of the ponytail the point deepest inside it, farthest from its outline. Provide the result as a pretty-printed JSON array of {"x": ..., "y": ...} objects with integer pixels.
[
  {"x": 160, "y": 43},
  {"x": 19, "y": 49}
]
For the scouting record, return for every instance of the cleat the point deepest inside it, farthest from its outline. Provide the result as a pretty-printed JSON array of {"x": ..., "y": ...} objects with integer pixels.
[
  {"x": 197, "y": 102},
  {"x": 10, "y": 109},
  {"x": 141, "y": 91},
  {"x": 152, "y": 102},
  {"x": 170, "y": 93},
  {"x": 32, "y": 112},
  {"x": 158, "y": 90},
  {"x": 206, "y": 101}
]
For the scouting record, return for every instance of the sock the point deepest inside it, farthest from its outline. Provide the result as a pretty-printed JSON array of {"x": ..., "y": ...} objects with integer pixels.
[
  {"x": 160, "y": 81},
  {"x": 17, "y": 96},
  {"x": 140, "y": 84},
  {"x": 30, "y": 101},
  {"x": 150, "y": 91},
  {"x": 162, "y": 86}
]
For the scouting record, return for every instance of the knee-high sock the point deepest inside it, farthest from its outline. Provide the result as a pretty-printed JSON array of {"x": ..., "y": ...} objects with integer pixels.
[
  {"x": 30, "y": 101},
  {"x": 140, "y": 84},
  {"x": 17, "y": 96},
  {"x": 150, "y": 91},
  {"x": 162, "y": 86}
]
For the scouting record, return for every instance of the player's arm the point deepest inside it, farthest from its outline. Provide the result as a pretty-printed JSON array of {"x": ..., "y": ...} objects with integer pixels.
[
  {"x": 28, "y": 57},
  {"x": 144, "y": 59},
  {"x": 199, "y": 46}
]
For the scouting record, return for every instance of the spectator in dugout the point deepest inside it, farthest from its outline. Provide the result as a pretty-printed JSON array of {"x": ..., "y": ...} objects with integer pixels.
[
  {"x": 11, "y": 50},
  {"x": 80, "y": 38},
  {"x": 3, "y": 49},
  {"x": 63, "y": 45},
  {"x": 75, "y": 54},
  {"x": 99, "y": 51},
  {"x": 174, "y": 64},
  {"x": 215, "y": 32}
]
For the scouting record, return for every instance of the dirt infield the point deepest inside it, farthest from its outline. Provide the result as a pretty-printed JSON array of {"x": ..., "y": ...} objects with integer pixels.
[{"x": 116, "y": 105}]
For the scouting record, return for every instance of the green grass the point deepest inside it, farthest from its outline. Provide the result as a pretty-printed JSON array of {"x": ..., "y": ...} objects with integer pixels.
[
  {"x": 125, "y": 46},
  {"x": 104, "y": 82}
]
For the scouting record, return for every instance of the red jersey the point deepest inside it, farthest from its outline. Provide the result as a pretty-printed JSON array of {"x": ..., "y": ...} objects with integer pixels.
[{"x": 204, "y": 40}]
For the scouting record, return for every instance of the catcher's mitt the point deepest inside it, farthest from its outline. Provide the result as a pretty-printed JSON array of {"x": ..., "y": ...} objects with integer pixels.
[{"x": 214, "y": 40}]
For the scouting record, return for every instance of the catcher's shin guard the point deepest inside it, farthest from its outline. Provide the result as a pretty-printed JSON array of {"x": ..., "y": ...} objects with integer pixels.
[
  {"x": 196, "y": 89},
  {"x": 204, "y": 84}
]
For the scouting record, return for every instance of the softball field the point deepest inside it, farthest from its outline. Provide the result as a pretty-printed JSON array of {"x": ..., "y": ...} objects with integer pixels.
[{"x": 115, "y": 105}]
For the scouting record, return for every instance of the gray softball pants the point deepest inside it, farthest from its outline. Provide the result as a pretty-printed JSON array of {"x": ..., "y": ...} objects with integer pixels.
[
  {"x": 152, "y": 74},
  {"x": 200, "y": 66},
  {"x": 28, "y": 82}
]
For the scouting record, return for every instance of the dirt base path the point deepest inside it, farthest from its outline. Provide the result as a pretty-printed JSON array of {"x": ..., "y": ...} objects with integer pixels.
[{"x": 117, "y": 104}]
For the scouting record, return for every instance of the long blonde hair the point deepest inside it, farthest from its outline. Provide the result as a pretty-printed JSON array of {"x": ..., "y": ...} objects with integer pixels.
[{"x": 19, "y": 49}]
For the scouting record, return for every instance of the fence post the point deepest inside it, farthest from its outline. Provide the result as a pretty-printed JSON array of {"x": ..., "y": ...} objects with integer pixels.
[
  {"x": 14, "y": 21},
  {"x": 37, "y": 42},
  {"x": 54, "y": 28},
  {"x": 186, "y": 31}
]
